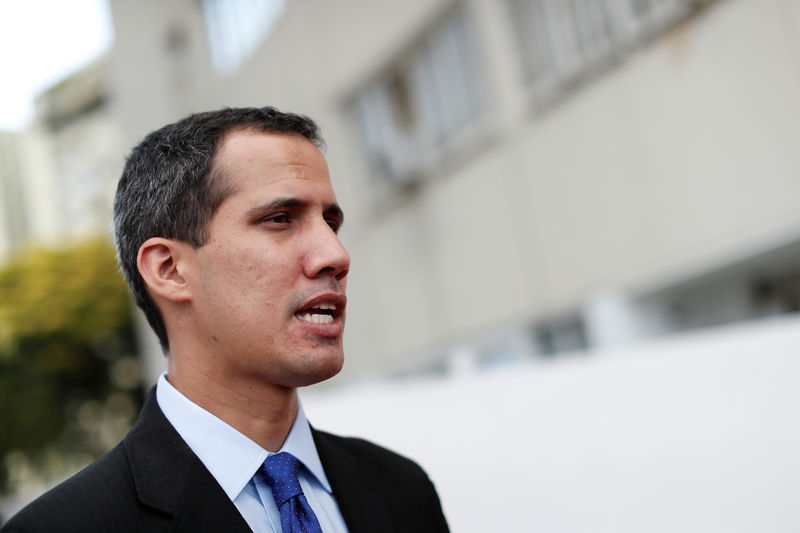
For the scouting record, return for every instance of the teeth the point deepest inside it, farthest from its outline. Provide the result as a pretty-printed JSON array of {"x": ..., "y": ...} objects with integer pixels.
[
  {"x": 316, "y": 319},
  {"x": 326, "y": 306}
]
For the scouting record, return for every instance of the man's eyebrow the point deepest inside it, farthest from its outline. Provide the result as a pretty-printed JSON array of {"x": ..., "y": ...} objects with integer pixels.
[
  {"x": 277, "y": 203},
  {"x": 331, "y": 210}
]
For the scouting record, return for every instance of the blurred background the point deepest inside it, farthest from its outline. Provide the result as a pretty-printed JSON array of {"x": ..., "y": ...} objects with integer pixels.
[{"x": 574, "y": 227}]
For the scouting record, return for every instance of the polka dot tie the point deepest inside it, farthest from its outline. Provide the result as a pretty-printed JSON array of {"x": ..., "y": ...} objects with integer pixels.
[{"x": 280, "y": 470}]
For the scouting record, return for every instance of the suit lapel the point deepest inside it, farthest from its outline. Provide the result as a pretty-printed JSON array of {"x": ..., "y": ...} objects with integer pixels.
[
  {"x": 206, "y": 507},
  {"x": 170, "y": 478},
  {"x": 358, "y": 496}
]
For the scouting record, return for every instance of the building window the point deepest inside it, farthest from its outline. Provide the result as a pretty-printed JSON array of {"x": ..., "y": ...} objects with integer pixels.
[
  {"x": 422, "y": 101},
  {"x": 236, "y": 27},
  {"x": 559, "y": 40}
]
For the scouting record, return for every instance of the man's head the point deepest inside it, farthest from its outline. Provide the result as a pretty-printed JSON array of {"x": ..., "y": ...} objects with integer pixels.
[
  {"x": 231, "y": 214},
  {"x": 168, "y": 189}
]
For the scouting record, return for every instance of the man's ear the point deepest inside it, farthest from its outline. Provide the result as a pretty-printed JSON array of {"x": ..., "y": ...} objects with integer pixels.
[{"x": 161, "y": 264}]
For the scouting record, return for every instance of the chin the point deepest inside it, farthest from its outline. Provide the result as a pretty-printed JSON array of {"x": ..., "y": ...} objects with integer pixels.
[{"x": 317, "y": 369}]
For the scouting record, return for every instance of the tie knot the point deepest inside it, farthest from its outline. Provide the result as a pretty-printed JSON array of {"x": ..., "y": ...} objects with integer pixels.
[{"x": 280, "y": 470}]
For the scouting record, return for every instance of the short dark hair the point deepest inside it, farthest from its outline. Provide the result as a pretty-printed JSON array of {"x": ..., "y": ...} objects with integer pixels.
[{"x": 168, "y": 189}]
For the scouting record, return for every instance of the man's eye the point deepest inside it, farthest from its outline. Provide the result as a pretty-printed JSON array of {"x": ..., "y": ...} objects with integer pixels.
[{"x": 278, "y": 219}]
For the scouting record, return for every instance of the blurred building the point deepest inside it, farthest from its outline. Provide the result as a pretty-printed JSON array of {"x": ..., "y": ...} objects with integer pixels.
[
  {"x": 520, "y": 176},
  {"x": 58, "y": 176},
  {"x": 13, "y": 224},
  {"x": 80, "y": 143}
]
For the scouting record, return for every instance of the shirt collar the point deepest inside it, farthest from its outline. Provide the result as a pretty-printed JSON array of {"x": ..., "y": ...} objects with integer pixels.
[
  {"x": 300, "y": 443},
  {"x": 229, "y": 456}
]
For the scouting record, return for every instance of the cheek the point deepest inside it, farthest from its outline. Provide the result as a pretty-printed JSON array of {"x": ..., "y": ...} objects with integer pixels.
[
  {"x": 268, "y": 285},
  {"x": 258, "y": 280},
  {"x": 267, "y": 268}
]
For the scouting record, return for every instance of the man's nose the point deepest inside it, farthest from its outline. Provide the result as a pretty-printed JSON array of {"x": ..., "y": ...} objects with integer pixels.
[{"x": 326, "y": 254}]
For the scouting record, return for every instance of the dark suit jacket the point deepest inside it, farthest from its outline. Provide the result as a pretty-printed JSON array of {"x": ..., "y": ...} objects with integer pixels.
[{"x": 152, "y": 481}]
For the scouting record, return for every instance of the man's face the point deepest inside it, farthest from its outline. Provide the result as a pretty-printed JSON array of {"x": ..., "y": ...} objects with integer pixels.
[{"x": 270, "y": 281}]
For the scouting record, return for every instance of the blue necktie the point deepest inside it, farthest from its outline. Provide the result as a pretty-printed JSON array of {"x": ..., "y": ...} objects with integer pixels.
[{"x": 280, "y": 470}]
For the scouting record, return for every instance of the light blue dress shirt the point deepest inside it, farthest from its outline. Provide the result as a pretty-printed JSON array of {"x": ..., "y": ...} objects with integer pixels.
[{"x": 234, "y": 459}]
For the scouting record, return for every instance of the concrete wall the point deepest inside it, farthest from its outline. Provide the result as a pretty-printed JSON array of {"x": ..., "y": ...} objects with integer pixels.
[{"x": 679, "y": 157}]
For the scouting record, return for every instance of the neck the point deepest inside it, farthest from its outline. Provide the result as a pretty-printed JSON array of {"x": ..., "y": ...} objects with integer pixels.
[{"x": 263, "y": 412}]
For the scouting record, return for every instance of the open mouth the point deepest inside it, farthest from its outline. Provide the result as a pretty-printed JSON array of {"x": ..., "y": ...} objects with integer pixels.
[{"x": 323, "y": 313}]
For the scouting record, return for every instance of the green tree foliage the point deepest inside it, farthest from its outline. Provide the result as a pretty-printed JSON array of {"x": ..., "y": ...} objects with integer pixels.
[{"x": 65, "y": 327}]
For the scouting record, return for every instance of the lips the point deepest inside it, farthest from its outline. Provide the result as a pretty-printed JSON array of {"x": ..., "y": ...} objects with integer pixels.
[
  {"x": 323, "y": 314},
  {"x": 319, "y": 314}
]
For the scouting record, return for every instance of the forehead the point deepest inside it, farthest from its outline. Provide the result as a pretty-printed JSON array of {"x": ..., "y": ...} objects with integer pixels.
[{"x": 248, "y": 160}]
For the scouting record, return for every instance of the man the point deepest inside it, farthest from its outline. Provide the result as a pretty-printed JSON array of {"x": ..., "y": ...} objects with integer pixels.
[{"x": 226, "y": 227}]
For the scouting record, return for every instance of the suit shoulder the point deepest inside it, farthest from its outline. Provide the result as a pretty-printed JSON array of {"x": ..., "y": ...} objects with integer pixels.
[
  {"x": 84, "y": 500},
  {"x": 409, "y": 497},
  {"x": 377, "y": 457},
  {"x": 398, "y": 475}
]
